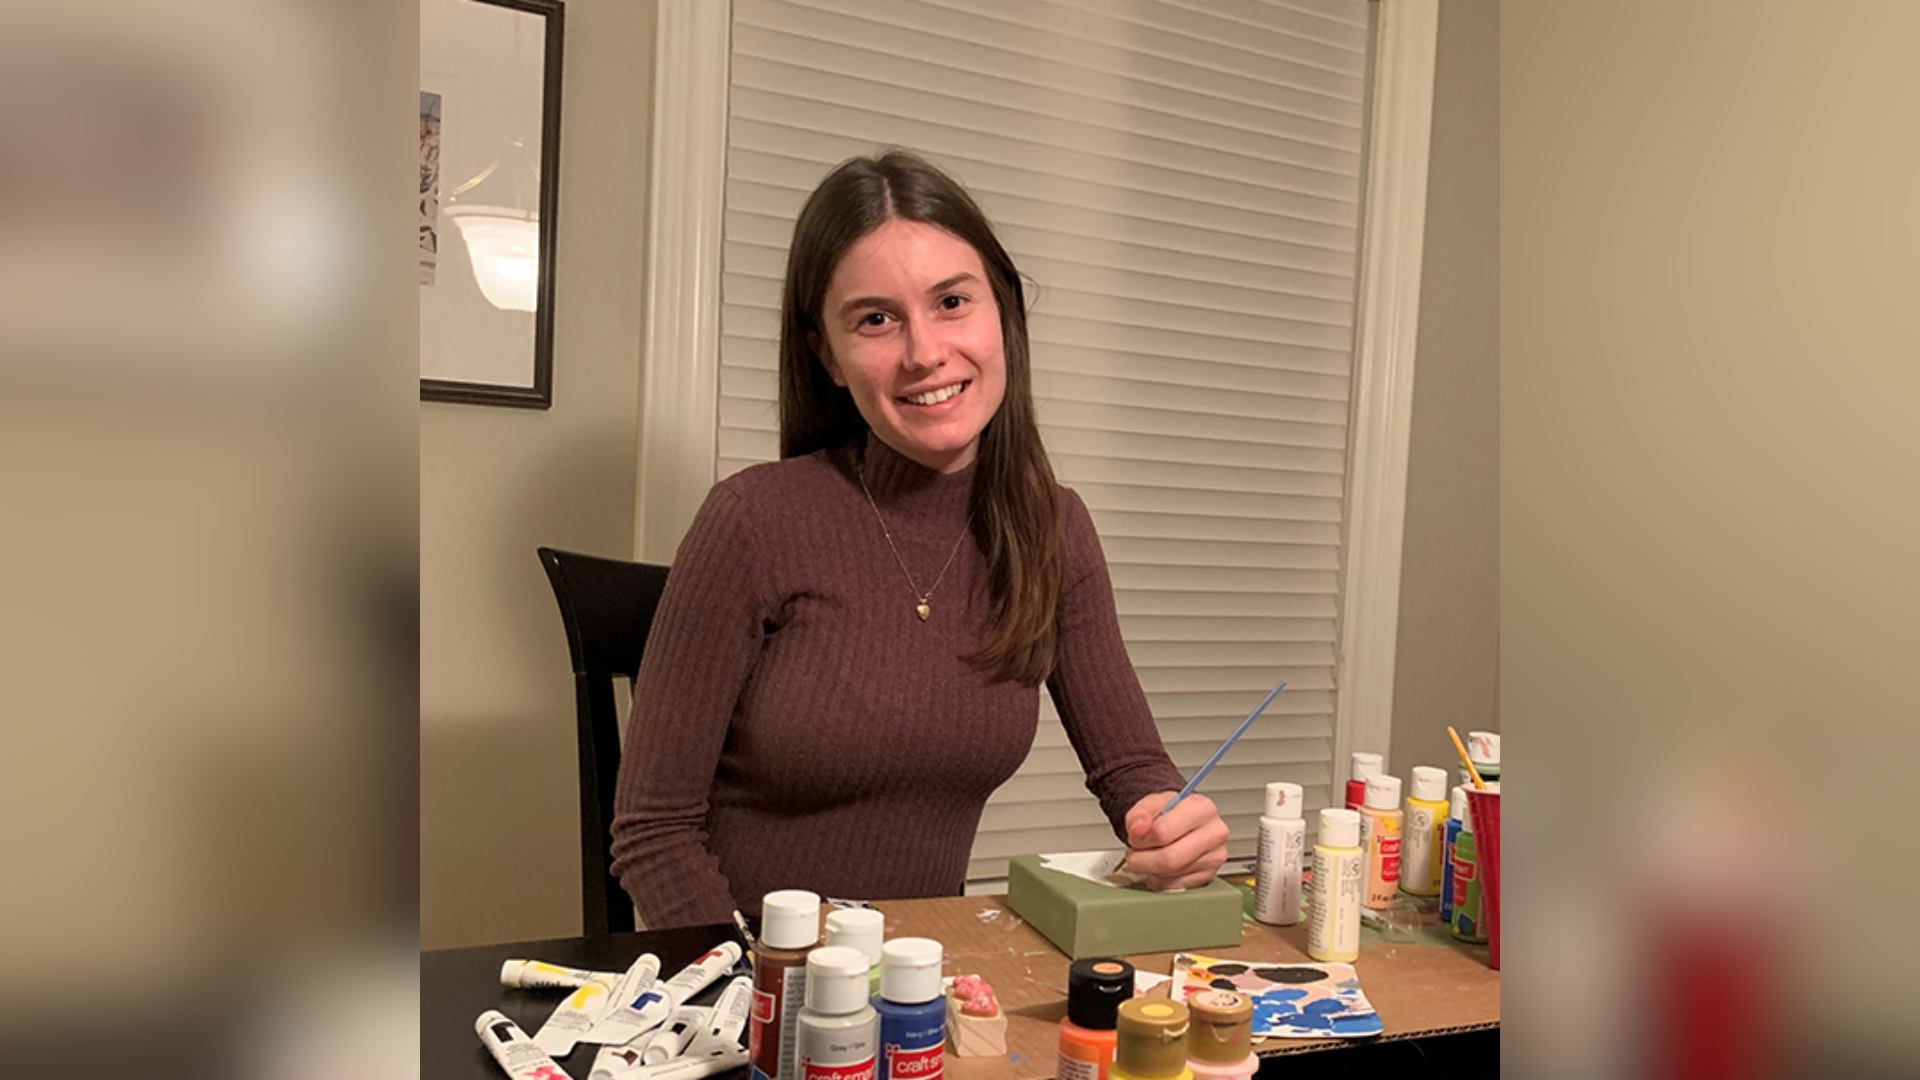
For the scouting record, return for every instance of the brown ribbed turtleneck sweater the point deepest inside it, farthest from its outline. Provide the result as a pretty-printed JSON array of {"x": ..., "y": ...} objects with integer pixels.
[{"x": 796, "y": 725}]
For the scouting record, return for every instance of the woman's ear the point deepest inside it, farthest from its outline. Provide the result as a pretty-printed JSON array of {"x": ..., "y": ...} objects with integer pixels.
[{"x": 825, "y": 354}]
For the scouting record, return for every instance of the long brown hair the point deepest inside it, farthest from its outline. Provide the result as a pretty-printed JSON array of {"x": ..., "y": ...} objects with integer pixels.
[{"x": 1016, "y": 508}]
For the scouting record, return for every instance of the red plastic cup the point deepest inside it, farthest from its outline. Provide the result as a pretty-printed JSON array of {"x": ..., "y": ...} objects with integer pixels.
[{"x": 1485, "y": 808}]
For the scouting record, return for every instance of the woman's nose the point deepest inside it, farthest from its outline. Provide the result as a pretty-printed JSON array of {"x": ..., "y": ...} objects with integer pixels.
[{"x": 925, "y": 349}]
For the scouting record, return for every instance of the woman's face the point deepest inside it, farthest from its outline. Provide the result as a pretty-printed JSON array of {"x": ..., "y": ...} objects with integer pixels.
[{"x": 913, "y": 333}]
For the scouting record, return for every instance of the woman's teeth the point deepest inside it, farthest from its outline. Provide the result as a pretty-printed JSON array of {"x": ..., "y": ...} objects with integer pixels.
[{"x": 935, "y": 397}]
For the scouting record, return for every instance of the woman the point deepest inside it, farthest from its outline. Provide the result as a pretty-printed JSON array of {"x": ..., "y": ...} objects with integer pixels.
[{"x": 848, "y": 656}]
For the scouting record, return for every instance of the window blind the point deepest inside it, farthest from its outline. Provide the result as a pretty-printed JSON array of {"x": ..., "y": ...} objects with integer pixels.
[{"x": 1182, "y": 182}]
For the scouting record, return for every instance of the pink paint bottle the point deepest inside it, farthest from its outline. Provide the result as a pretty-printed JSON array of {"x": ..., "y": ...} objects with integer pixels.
[
  {"x": 1365, "y": 767},
  {"x": 1220, "y": 1042}
]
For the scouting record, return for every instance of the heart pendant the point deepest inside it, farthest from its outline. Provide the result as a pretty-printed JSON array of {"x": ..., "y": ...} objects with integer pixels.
[{"x": 923, "y": 610}]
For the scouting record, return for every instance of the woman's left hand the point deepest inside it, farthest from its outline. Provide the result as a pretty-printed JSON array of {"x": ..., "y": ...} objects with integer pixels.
[{"x": 1182, "y": 850}]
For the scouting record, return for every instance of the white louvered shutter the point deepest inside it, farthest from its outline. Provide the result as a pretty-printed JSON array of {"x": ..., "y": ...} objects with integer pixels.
[{"x": 1182, "y": 181}]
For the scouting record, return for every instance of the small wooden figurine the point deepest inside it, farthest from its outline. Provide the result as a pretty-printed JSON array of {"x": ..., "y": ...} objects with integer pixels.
[{"x": 975, "y": 1025}]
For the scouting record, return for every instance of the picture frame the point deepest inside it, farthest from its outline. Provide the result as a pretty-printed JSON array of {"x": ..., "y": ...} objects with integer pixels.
[{"x": 490, "y": 77}]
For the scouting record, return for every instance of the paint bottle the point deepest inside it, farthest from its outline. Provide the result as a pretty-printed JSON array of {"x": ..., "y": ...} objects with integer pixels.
[
  {"x": 1095, "y": 989},
  {"x": 1483, "y": 749},
  {"x": 1364, "y": 766},
  {"x": 1382, "y": 823},
  {"x": 913, "y": 1010},
  {"x": 1220, "y": 1044},
  {"x": 838, "y": 1035},
  {"x": 1338, "y": 889},
  {"x": 1151, "y": 1041},
  {"x": 1467, "y": 925},
  {"x": 1283, "y": 838},
  {"x": 1423, "y": 855},
  {"x": 863, "y": 929},
  {"x": 1456, "y": 809},
  {"x": 789, "y": 929}
]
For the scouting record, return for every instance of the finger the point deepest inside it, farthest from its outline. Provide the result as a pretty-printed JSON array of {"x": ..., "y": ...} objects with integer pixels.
[
  {"x": 1140, "y": 818},
  {"x": 1203, "y": 847},
  {"x": 1194, "y": 812}
]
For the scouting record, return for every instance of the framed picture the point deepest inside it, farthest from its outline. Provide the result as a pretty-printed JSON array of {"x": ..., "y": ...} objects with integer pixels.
[{"x": 489, "y": 146}]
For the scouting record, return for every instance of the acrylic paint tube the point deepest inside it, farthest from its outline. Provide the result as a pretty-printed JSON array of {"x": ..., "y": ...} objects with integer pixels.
[
  {"x": 1456, "y": 809},
  {"x": 838, "y": 1034},
  {"x": 789, "y": 929},
  {"x": 694, "y": 1066},
  {"x": 677, "y": 1034},
  {"x": 1422, "y": 854},
  {"x": 729, "y": 1015},
  {"x": 1382, "y": 824},
  {"x": 1283, "y": 837},
  {"x": 1338, "y": 889},
  {"x": 1220, "y": 1043},
  {"x": 1468, "y": 925},
  {"x": 913, "y": 1010},
  {"x": 518, "y": 1055},
  {"x": 615, "y": 1028},
  {"x": 1364, "y": 767},
  {"x": 1095, "y": 989},
  {"x": 574, "y": 1018},
  {"x": 539, "y": 975},
  {"x": 618, "y": 1062},
  {"x": 650, "y": 1009}
]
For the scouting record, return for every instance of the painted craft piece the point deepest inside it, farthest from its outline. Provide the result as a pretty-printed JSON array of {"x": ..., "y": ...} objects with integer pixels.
[{"x": 1290, "y": 1001}]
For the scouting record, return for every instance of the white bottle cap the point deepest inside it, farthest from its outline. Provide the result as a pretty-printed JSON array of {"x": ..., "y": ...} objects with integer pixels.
[
  {"x": 910, "y": 970},
  {"x": 1483, "y": 748},
  {"x": 1366, "y": 765},
  {"x": 836, "y": 980},
  {"x": 790, "y": 919},
  {"x": 1429, "y": 783},
  {"x": 1383, "y": 793},
  {"x": 1466, "y": 818},
  {"x": 1283, "y": 800},
  {"x": 511, "y": 971},
  {"x": 857, "y": 928},
  {"x": 1339, "y": 827},
  {"x": 1457, "y": 806}
]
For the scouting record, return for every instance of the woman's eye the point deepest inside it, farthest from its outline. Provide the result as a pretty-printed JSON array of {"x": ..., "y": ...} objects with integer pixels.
[
  {"x": 952, "y": 302},
  {"x": 873, "y": 318}
]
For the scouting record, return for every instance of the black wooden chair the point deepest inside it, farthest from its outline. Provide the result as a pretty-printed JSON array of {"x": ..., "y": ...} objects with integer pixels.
[{"x": 607, "y": 606}]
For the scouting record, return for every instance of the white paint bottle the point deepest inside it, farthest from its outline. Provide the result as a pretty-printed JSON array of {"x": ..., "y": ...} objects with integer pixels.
[
  {"x": 1339, "y": 887},
  {"x": 1283, "y": 837},
  {"x": 1423, "y": 847}
]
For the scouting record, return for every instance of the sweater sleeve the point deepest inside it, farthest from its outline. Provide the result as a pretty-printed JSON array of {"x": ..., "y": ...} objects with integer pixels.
[
  {"x": 705, "y": 640},
  {"x": 1093, "y": 685}
]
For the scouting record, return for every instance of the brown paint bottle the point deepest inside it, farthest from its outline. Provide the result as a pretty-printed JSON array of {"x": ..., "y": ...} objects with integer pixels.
[{"x": 789, "y": 929}]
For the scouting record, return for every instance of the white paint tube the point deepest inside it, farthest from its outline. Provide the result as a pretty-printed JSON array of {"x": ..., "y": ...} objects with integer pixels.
[
  {"x": 650, "y": 1009},
  {"x": 679, "y": 1030},
  {"x": 693, "y": 1066},
  {"x": 520, "y": 1056},
  {"x": 575, "y": 1017},
  {"x": 615, "y": 1062},
  {"x": 615, "y": 1027},
  {"x": 729, "y": 1016},
  {"x": 540, "y": 975}
]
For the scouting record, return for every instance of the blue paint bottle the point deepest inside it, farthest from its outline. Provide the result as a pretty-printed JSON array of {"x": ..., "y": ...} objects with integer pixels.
[
  {"x": 913, "y": 1010},
  {"x": 1456, "y": 810}
]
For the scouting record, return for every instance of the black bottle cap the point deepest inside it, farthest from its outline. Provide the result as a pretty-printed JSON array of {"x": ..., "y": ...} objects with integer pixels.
[{"x": 1095, "y": 989}]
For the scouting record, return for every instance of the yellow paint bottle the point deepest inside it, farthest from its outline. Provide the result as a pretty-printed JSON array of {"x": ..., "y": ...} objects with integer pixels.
[
  {"x": 1338, "y": 887},
  {"x": 1381, "y": 824},
  {"x": 1151, "y": 1041},
  {"x": 1422, "y": 857}
]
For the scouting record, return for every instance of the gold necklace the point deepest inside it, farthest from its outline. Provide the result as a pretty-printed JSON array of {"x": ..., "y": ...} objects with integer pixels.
[{"x": 921, "y": 608}]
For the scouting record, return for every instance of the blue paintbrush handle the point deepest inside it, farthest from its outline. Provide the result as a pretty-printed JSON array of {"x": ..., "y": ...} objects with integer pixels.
[{"x": 1222, "y": 752}]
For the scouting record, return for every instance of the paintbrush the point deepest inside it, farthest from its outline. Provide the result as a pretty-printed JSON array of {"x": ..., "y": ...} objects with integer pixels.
[
  {"x": 1465, "y": 760},
  {"x": 1215, "y": 759}
]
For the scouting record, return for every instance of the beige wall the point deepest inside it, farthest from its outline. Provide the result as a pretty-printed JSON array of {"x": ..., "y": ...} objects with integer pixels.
[
  {"x": 1447, "y": 665},
  {"x": 499, "y": 848}
]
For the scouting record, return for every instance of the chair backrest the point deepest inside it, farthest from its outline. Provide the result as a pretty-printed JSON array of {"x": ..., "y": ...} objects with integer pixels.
[{"x": 607, "y": 606}]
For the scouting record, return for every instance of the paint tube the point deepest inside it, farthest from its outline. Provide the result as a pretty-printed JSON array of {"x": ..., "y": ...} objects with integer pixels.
[
  {"x": 651, "y": 1008},
  {"x": 616, "y": 1062},
  {"x": 679, "y": 1030},
  {"x": 575, "y": 1017},
  {"x": 540, "y": 975},
  {"x": 616, "y": 1027},
  {"x": 729, "y": 1015},
  {"x": 520, "y": 1056},
  {"x": 693, "y": 1066}
]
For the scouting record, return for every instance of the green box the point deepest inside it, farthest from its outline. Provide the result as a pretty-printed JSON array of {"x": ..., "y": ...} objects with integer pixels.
[{"x": 1085, "y": 919}]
